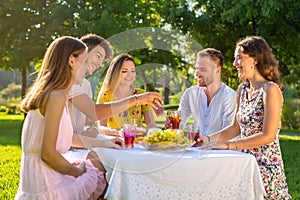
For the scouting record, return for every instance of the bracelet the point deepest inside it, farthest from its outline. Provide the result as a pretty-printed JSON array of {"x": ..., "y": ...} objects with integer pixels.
[
  {"x": 136, "y": 99},
  {"x": 208, "y": 138}
]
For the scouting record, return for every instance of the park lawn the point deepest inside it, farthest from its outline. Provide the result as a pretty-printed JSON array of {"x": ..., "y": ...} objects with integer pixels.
[{"x": 10, "y": 151}]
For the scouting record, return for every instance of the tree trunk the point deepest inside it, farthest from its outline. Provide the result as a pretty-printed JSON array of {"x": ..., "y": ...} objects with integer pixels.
[
  {"x": 24, "y": 85},
  {"x": 166, "y": 91},
  {"x": 24, "y": 82}
]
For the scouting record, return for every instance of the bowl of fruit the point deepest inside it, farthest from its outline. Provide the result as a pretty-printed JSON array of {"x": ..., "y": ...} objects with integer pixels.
[{"x": 166, "y": 140}]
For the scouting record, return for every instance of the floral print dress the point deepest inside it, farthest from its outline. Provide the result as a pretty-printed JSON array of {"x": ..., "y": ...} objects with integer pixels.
[{"x": 250, "y": 117}]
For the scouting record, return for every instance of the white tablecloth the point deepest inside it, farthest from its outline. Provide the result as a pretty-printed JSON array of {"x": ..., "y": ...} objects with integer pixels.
[{"x": 195, "y": 174}]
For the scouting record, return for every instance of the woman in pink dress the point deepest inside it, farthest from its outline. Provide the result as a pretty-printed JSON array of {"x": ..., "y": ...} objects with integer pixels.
[
  {"x": 258, "y": 114},
  {"x": 47, "y": 131}
]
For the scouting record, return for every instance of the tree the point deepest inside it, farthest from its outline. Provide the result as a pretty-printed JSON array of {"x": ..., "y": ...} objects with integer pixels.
[
  {"x": 27, "y": 27},
  {"x": 217, "y": 24},
  {"x": 127, "y": 27},
  {"x": 220, "y": 24}
]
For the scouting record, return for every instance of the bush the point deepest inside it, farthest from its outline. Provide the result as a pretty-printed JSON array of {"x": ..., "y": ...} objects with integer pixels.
[
  {"x": 10, "y": 99},
  {"x": 12, "y": 91},
  {"x": 13, "y": 109},
  {"x": 170, "y": 107},
  {"x": 291, "y": 114},
  {"x": 3, "y": 109},
  {"x": 175, "y": 99}
]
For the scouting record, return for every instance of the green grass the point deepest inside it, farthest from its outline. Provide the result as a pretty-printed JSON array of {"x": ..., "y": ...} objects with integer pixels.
[
  {"x": 10, "y": 151},
  {"x": 290, "y": 148}
]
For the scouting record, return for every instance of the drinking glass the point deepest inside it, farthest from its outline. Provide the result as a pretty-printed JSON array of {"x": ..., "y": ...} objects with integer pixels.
[
  {"x": 174, "y": 119},
  {"x": 129, "y": 131},
  {"x": 159, "y": 111},
  {"x": 193, "y": 132}
]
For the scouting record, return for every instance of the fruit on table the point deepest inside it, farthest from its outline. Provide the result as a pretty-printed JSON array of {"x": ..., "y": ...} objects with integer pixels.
[
  {"x": 167, "y": 137},
  {"x": 137, "y": 139}
]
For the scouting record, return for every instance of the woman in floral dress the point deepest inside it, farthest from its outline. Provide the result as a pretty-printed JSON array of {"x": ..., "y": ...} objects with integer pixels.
[{"x": 258, "y": 114}]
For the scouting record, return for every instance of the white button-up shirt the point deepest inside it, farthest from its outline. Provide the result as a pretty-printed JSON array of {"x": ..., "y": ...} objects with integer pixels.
[
  {"x": 78, "y": 118},
  {"x": 218, "y": 115}
]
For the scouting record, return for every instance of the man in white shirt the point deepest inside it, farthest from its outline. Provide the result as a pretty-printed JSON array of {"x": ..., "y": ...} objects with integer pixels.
[
  {"x": 83, "y": 111},
  {"x": 211, "y": 103},
  {"x": 99, "y": 50}
]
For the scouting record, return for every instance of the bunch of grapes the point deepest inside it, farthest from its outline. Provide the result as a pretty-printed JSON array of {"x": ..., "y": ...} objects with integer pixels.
[{"x": 167, "y": 136}]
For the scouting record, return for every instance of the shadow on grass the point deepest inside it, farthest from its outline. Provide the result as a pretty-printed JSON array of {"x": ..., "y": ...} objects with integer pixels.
[{"x": 10, "y": 132}]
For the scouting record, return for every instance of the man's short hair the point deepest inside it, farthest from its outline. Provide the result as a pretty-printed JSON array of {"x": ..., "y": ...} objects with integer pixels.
[
  {"x": 214, "y": 54},
  {"x": 93, "y": 40}
]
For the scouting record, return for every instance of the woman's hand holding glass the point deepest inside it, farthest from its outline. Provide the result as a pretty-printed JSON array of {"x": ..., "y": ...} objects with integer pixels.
[{"x": 151, "y": 98}]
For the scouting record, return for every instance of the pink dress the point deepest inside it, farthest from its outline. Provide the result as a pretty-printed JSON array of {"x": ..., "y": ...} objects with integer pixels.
[{"x": 40, "y": 181}]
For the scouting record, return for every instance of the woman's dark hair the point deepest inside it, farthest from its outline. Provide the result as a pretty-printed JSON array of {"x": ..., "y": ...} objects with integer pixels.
[{"x": 257, "y": 48}]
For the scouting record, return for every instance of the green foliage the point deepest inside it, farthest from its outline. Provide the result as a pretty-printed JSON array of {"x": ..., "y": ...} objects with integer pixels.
[
  {"x": 220, "y": 24},
  {"x": 291, "y": 108},
  {"x": 10, "y": 97},
  {"x": 13, "y": 109},
  {"x": 11, "y": 91},
  {"x": 217, "y": 24},
  {"x": 3, "y": 109},
  {"x": 8, "y": 77},
  {"x": 175, "y": 99},
  {"x": 171, "y": 107},
  {"x": 293, "y": 81},
  {"x": 291, "y": 114}
]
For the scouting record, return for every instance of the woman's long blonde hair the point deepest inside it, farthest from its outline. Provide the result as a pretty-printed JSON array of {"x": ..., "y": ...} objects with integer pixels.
[
  {"x": 112, "y": 77},
  {"x": 55, "y": 72}
]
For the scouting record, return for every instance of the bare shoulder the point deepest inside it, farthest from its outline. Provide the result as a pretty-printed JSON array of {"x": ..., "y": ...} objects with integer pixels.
[
  {"x": 55, "y": 101},
  {"x": 271, "y": 88},
  {"x": 57, "y": 98},
  {"x": 58, "y": 94},
  {"x": 272, "y": 91}
]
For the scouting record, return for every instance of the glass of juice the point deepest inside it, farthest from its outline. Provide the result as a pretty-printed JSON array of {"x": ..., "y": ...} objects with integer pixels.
[
  {"x": 159, "y": 111},
  {"x": 174, "y": 119},
  {"x": 129, "y": 131},
  {"x": 193, "y": 132}
]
